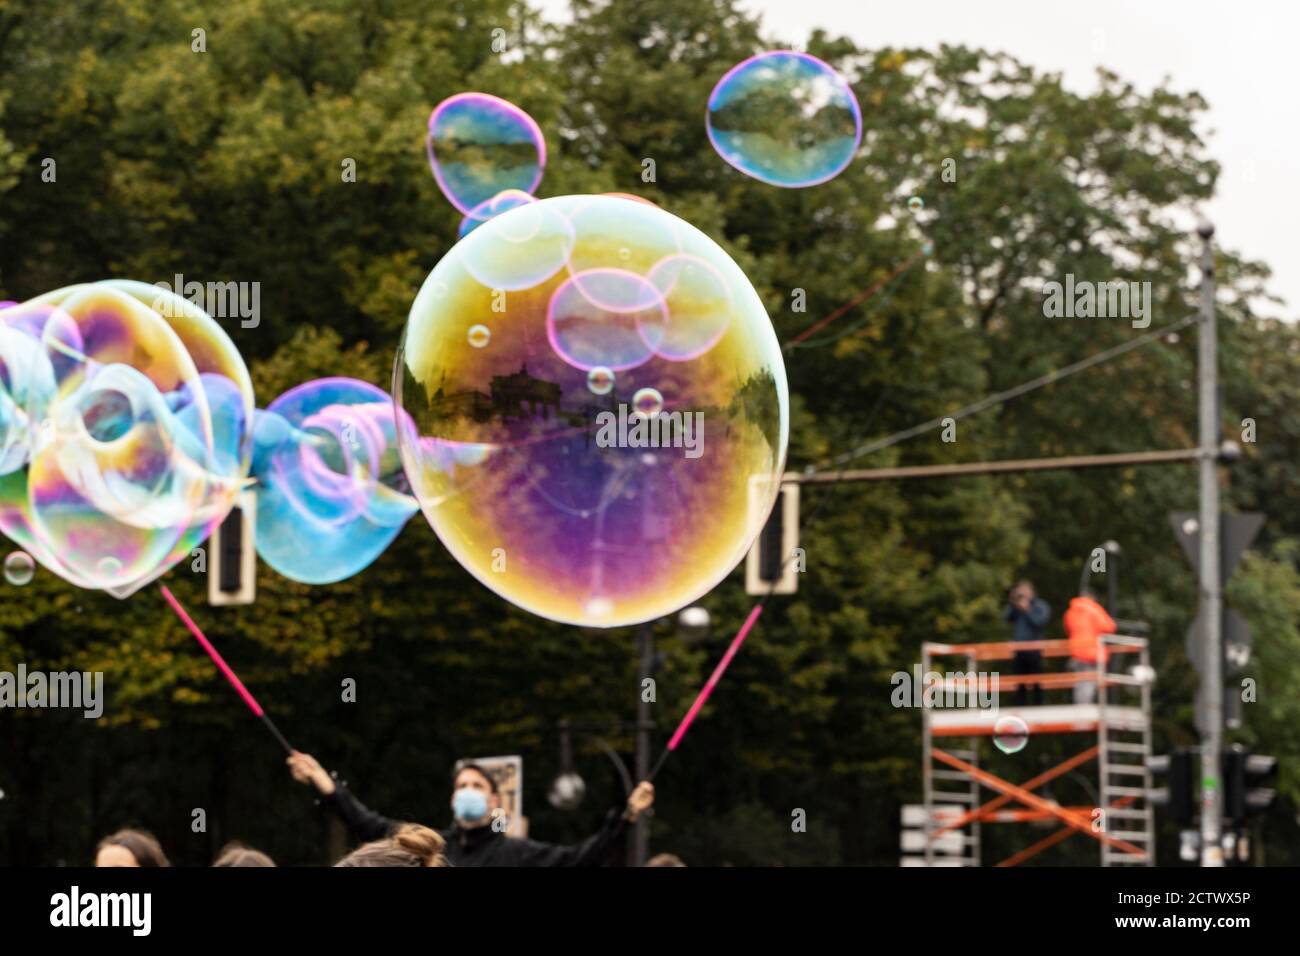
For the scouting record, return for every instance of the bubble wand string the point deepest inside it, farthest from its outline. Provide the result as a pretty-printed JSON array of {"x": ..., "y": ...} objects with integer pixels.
[
  {"x": 856, "y": 300},
  {"x": 222, "y": 666},
  {"x": 707, "y": 689}
]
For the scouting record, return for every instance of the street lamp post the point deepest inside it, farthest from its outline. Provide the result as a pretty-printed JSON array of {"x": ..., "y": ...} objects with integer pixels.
[
  {"x": 1112, "y": 577},
  {"x": 568, "y": 788}
]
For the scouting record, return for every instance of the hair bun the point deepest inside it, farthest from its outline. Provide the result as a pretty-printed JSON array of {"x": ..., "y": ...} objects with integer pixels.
[{"x": 422, "y": 843}]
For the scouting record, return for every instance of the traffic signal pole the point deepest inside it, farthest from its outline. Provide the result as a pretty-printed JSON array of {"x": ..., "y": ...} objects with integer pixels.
[
  {"x": 1207, "y": 453},
  {"x": 1210, "y": 719}
]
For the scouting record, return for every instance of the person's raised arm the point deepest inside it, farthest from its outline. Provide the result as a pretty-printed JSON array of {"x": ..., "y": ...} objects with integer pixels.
[
  {"x": 1039, "y": 612},
  {"x": 591, "y": 851},
  {"x": 364, "y": 824}
]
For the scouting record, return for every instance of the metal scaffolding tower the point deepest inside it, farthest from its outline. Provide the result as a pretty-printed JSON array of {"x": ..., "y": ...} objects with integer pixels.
[{"x": 1120, "y": 718}]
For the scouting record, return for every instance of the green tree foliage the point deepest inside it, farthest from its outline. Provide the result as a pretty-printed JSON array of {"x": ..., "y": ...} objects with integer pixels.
[{"x": 227, "y": 165}]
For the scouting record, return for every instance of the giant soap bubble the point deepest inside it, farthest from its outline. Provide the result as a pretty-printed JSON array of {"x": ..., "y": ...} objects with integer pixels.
[
  {"x": 125, "y": 416},
  {"x": 785, "y": 118},
  {"x": 610, "y": 452},
  {"x": 331, "y": 494}
]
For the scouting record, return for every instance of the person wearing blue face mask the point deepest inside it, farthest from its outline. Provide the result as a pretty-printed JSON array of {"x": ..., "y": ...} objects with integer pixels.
[{"x": 472, "y": 840}]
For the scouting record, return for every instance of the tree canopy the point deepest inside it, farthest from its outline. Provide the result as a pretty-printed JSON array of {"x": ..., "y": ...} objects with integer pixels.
[{"x": 225, "y": 165}]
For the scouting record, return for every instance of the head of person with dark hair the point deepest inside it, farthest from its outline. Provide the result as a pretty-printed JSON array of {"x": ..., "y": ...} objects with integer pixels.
[
  {"x": 235, "y": 853},
  {"x": 665, "y": 859},
  {"x": 474, "y": 796},
  {"x": 130, "y": 848},
  {"x": 410, "y": 845},
  {"x": 1022, "y": 594}
]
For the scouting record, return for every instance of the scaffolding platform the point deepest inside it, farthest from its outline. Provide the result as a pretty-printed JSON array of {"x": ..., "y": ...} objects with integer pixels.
[
  {"x": 1118, "y": 721},
  {"x": 1054, "y": 719}
]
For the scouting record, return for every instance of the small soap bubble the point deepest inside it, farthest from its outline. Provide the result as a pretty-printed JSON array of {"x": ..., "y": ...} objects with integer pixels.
[
  {"x": 647, "y": 402},
  {"x": 600, "y": 380},
  {"x": 19, "y": 568},
  {"x": 1010, "y": 734},
  {"x": 785, "y": 118}
]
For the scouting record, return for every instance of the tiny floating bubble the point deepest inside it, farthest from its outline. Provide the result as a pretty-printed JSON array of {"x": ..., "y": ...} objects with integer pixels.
[
  {"x": 600, "y": 380},
  {"x": 479, "y": 336},
  {"x": 109, "y": 567},
  {"x": 1010, "y": 734},
  {"x": 647, "y": 402},
  {"x": 19, "y": 568}
]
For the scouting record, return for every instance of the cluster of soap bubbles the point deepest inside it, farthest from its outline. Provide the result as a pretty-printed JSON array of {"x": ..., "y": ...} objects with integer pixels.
[
  {"x": 592, "y": 408},
  {"x": 124, "y": 424},
  {"x": 782, "y": 117},
  {"x": 556, "y": 434},
  {"x": 127, "y": 432}
]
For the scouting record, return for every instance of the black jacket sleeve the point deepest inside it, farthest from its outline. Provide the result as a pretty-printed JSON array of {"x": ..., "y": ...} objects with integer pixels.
[
  {"x": 364, "y": 824},
  {"x": 590, "y": 852}
]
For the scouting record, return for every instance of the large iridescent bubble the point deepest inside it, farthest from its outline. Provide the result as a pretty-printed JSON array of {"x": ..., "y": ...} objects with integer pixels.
[
  {"x": 785, "y": 118},
  {"x": 331, "y": 491},
  {"x": 609, "y": 453},
  {"x": 481, "y": 145},
  {"x": 125, "y": 416}
]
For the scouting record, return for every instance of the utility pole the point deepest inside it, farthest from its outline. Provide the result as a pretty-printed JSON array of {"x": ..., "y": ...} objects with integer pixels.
[{"x": 1211, "y": 609}]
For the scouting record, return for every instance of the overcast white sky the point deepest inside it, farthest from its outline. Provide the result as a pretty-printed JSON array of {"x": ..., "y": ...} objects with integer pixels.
[{"x": 1243, "y": 57}]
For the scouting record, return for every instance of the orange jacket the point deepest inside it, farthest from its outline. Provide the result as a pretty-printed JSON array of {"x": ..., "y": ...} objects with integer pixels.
[{"x": 1085, "y": 621}]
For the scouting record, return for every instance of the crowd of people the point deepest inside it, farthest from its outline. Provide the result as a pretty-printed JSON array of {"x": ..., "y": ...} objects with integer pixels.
[{"x": 475, "y": 837}]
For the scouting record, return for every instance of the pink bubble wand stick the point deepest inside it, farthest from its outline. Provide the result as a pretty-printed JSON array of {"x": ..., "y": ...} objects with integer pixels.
[
  {"x": 707, "y": 689},
  {"x": 222, "y": 666}
]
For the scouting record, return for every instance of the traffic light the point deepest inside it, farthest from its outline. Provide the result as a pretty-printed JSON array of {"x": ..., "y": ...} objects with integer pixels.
[
  {"x": 1236, "y": 533},
  {"x": 1176, "y": 795},
  {"x": 232, "y": 568},
  {"x": 1247, "y": 780},
  {"x": 774, "y": 563}
]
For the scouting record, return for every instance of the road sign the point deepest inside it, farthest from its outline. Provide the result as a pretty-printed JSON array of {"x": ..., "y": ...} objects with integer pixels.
[
  {"x": 773, "y": 565},
  {"x": 947, "y": 848},
  {"x": 1236, "y": 643},
  {"x": 1237, "y": 532}
]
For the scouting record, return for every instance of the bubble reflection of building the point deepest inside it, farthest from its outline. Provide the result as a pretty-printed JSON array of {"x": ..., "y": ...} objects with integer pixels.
[{"x": 518, "y": 396}]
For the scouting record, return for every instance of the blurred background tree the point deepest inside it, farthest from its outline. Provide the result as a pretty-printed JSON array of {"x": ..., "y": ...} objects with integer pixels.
[{"x": 226, "y": 165}]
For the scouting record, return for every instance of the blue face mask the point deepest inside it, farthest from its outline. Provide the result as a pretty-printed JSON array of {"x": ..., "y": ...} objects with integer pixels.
[{"x": 469, "y": 804}]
